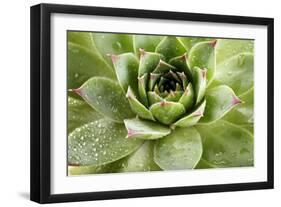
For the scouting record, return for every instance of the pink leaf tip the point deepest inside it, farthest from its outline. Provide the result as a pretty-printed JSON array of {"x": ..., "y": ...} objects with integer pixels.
[
  {"x": 184, "y": 57},
  {"x": 131, "y": 133},
  {"x": 77, "y": 91},
  {"x": 213, "y": 43},
  {"x": 204, "y": 72},
  {"x": 236, "y": 100},
  {"x": 113, "y": 57},
  {"x": 142, "y": 52}
]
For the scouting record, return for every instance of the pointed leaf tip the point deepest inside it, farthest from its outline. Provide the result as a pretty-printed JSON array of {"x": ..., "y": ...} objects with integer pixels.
[
  {"x": 236, "y": 100},
  {"x": 142, "y": 52},
  {"x": 144, "y": 129},
  {"x": 184, "y": 57},
  {"x": 78, "y": 91},
  {"x": 213, "y": 43},
  {"x": 204, "y": 72},
  {"x": 164, "y": 103},
  {"x": 131, "y": 133},
  {"x": 113, "y": 57},
  {"x": 182, "y": 149}
]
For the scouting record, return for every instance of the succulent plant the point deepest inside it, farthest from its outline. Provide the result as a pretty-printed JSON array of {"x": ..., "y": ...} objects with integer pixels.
[{"x": 149, "y": 103}]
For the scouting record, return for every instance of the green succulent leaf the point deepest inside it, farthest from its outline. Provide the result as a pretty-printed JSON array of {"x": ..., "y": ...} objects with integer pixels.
[
  {"x": 170, "y": 47},
  {"x": 187, "y": 98},
  {"x": 138, "y": 107},
  {"x": 84, "y": 170},
  {"x": 180, "y": 63},
  {"x": 79, "y": 113},
  {"x": 98, "y": 143},
  {"x": 182, "y": 149},
  {"x": 153, "y": 97},
  {"x": 110, "y": 43},
  {"x": 167, "y": 112},
  {"x": 203, "y": 164},
  {"x": 227, "y": 48},
  {"x": 153, "y": 78},
  {"x": 189, "y": 42},
  {"x": 174, "y": 96},
  {"x": 163, "y": 67},
  {"x": 146, "y": 42},
  {"x": 126, "y": 68},
  {"x": 226, "y": 145},
  {"x": 243, "y": 114},
  {"x": 200, "y": 83},
  {"x": 202, "y": 55},
  {"x": 148, "y": 62},
  {"x": 84, "y": 39},
  {"x": 236, "y": 72},
  {"x": 143, "y": 129},
  {"x": 219, "y": 101},
  {"x": 142, "y": 85},
  {"x": 106, "y": 97},
  {"x": 141, "y": 160},
  {"x": 192, "y": 118},
  {"x": 184, "y": 79},
  {"x": 82, "y": 64}
]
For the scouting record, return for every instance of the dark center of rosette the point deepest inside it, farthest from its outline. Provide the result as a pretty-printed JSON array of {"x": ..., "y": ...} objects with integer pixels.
[
  {"x": 165, "y": 82},
  {"x": 169, "y": 82}
]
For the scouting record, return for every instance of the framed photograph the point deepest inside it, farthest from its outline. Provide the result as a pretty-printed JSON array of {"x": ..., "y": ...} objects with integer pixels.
[{"x": 132, "y": 103}]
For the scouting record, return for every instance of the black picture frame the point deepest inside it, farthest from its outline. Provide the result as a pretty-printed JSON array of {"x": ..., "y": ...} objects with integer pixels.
[{"x": 41, "y": 98}]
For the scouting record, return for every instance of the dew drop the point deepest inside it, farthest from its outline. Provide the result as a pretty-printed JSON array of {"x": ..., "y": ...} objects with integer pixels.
[{"x": 117, "y": 46}]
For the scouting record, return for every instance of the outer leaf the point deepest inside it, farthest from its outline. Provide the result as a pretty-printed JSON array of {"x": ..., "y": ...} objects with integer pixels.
[
  {"x": 243, "y": 114},
  {"x": 170, "y": 47},
  {"x": 167, "y": 112},
  {"x": 98, "y": 143},
  {"x": 126, "y": 68},
  {"x": 226, "y": 145},
  {"x": 141, "y": 160},
  {"x": 189, "y": 42},
  {"x": 227, "y": 48},
  {"x": 109, "y": 43},
  {"x": 236, "y": 72},
  {"x": 146, "y": 42},
  {"x": 79, "y": 113},
  {"x": 203, "y": 164},
  {"x": 84, "y": 39},
  {"x": 142, "y": 129},
  {"x": 83, "y": 64},
  {"x": 202, "y": 55},
  {"x": 83, "y": 170},
  {"x": 138, "y": 107},
  {"x": 192, "y": 118},
  {"x": 182, "y": 149},
  {"x": 219, "y": 101},
  {"x": 107, "y": 97}
]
